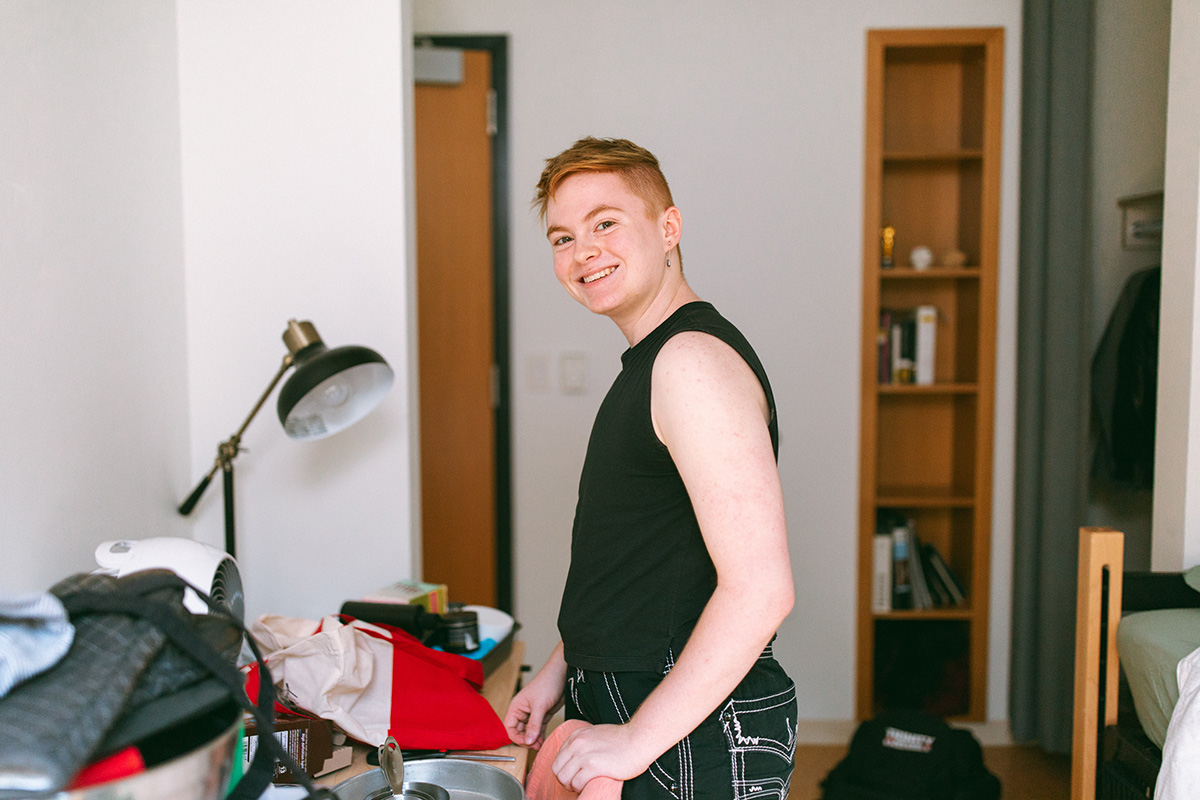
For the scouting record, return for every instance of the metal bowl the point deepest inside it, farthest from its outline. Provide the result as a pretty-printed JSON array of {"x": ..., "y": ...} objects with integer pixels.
[
  {"x": 464, "y": 780},
  {"x": 413, "y": 790}
]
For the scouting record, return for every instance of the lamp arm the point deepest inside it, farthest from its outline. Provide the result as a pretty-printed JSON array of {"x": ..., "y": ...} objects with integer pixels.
[
  {"x": 228, "y": 449},
  {"x": 187, "y": 505},
  {"x": 288, "y": 360}
]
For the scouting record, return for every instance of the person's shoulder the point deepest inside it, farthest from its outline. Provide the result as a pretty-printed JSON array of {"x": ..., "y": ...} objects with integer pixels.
[
  {"x": 698, "y": 353},
  {"x": 694, "y": 365}
]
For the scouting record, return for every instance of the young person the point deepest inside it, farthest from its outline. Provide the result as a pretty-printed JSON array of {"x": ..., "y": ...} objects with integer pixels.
[{"x": 679, "y": 571}]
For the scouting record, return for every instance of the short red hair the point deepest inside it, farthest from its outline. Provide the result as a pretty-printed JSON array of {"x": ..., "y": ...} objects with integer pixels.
[{"x": 636, "y": 165}]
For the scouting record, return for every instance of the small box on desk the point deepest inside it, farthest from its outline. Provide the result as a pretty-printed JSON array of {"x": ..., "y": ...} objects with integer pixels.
[
  {"x": 433, "y": 597},
  {"x": 307, "y": 740}
]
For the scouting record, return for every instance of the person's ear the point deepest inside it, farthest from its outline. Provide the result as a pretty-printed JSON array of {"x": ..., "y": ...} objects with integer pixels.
[{"x": 672, "y": 226}]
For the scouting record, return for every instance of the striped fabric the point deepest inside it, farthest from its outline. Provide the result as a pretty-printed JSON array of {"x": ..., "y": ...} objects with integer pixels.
[{"x": 34, "y": 634}]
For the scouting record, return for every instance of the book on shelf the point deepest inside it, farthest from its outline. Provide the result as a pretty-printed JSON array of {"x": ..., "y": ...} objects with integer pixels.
[
  {"x": 903, "y": 347},
  {"x": 922, "y": 598},
  {"x": 909, "y": 573},
  {"x": 947, "y": 576},
  {"x": 902, "y": 590},
  {"x": 883, "y": 343},
  {"x": 937, "y": 587},
  {"x": 881, "y": 574},
  {"x": 925, "y": 334},
  {"x": 906, "y": 343}
]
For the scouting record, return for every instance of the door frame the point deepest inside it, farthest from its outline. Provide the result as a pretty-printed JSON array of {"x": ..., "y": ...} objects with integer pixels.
[{"x": 497, "y": 46}]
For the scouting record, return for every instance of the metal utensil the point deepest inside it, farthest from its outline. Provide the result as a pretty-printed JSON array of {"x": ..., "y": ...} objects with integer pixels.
[
  {"x": 413, "y": 755},
  {"x": 391, "y": 761},
  {"x": 422, "y": 755}
]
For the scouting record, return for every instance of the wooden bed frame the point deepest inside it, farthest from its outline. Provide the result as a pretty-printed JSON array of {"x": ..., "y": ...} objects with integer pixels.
[
  {"x": 1111, "y": 757},
  {"x": 1097, "y": 611}
]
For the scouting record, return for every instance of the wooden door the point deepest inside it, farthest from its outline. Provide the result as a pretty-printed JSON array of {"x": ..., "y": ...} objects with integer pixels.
[{"x": 456, "y": 333}]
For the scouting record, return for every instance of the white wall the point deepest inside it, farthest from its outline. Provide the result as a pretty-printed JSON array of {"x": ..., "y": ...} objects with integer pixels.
[
  {"x": 757, "y": 117},
  {"x": 1129, "y": 136},
  {"x": 1176, "y": 530},
  {"x": 94, "y": 393},
  {"x": 150, "y": 265},
  {"x": 295, "y": 152}
]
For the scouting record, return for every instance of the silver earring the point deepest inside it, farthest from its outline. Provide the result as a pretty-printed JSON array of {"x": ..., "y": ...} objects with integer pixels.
[{"x": 668, "y": 262}]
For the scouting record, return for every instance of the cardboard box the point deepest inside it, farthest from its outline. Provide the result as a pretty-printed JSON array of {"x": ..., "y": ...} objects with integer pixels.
[
  {"x": 309, "y": 741},
  {"x": 433, "y": 597}
]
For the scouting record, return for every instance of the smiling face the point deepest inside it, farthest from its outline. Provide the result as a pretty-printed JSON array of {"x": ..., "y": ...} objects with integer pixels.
[{"x": 610, "y": 250}]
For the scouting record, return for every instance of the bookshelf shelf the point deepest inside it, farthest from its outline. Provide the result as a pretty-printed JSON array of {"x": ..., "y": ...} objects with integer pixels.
[
  {"x": 931, "y": 274},
  {"x": 933, "y": 389},
  {"x": 932, "y": 175},
  {"x": 958, "y": 613},
  {"x": 922, "y": 498},
  {"x": 898, "y": 157}
]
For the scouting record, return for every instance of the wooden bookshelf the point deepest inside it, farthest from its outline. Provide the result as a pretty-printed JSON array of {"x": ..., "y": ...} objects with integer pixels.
[{"x": 932, "y": 173}]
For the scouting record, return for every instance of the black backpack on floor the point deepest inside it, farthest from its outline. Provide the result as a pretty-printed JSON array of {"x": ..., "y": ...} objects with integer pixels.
[{"x": 911, "y": 755}]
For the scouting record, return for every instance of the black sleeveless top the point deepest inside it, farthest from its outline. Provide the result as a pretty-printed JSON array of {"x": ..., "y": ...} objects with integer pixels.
[{"x": 640, "y": 573}]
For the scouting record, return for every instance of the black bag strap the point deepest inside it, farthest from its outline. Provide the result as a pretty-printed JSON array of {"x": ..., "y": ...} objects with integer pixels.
[{"x": 168, "y": 620}]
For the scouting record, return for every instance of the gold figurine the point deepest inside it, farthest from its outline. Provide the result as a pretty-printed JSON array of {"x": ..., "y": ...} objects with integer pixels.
[{"x": 888, "y": 236}]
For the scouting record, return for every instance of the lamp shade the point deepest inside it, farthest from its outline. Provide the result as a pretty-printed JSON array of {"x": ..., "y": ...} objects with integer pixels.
[{"x": 331, "y": 390}]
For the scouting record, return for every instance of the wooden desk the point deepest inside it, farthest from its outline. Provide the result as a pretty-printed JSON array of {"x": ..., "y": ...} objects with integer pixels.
[{"x": 498, "y": 688}]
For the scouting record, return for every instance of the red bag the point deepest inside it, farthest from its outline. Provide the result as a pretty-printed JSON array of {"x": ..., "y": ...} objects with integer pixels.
[{"x": 373, "y": 681}]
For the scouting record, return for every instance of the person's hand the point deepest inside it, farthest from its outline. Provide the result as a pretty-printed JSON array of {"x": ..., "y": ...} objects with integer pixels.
[
  {"x": 532, "y": 706},
  {"x": 599, "y": 750}
]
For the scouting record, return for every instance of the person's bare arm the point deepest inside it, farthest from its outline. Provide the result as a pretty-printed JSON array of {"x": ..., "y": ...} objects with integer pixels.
[
  {"x": 710, "y": 411},
  {"x": 536, "y": 702}
]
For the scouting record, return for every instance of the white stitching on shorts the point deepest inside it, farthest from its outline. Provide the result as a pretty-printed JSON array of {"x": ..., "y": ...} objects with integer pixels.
[
  {"x": 687, "y": 789},
  {"x": 614, "y": 694},
  {"x": 660, "y": 781},
  {"x": 741, "y": 744}
]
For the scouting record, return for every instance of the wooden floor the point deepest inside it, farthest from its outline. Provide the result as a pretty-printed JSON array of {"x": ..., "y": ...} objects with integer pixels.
[{"x": 1026, "y": 773}]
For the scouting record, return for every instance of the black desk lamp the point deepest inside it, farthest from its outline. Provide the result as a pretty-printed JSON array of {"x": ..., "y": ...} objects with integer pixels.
[{"x": 329, "y": 391}]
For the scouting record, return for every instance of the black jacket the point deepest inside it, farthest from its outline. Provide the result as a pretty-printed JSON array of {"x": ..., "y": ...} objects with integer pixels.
[{"x": 1124, "y": 384}]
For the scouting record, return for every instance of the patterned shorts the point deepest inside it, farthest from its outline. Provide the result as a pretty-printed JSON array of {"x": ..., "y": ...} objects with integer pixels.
[{"x": 744, "y": 750}]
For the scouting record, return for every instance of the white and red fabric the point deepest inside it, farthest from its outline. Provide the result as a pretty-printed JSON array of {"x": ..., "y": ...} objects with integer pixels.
[{"x": 373, "y": 681}]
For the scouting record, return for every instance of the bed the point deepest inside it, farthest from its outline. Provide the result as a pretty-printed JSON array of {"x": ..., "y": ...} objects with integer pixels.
[{"x": 1130, "y": 724}]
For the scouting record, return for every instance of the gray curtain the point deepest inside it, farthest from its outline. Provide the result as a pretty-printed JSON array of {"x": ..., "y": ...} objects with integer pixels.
[{"x": 1052, "y": 364}]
